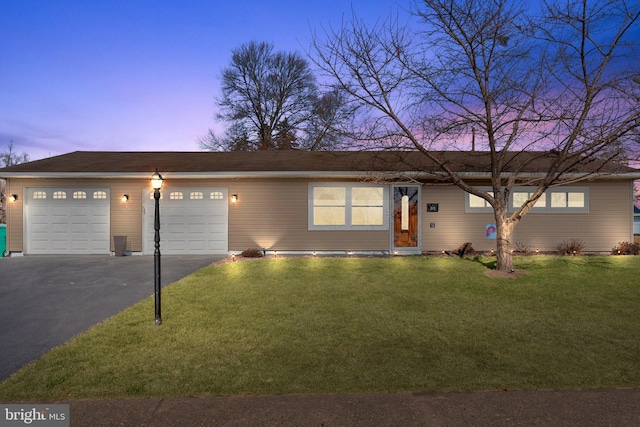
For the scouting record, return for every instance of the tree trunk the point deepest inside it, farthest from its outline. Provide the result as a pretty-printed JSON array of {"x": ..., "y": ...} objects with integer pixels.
[{"x": 504, "y": 229}]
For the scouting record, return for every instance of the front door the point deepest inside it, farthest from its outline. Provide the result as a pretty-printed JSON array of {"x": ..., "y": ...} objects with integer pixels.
[{"x": 406, "y": 221}]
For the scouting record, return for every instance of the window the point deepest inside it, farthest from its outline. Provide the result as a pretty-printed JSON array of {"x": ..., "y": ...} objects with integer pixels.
[
  {"x": 99, "y": 194},
  {"x": 478, "y": 204},
  {"x": 59, "y": 195},
  {"x": 567, "y": 199},
  {"x": 39, "y": 195},
  {"x": 554, "y": 200},
  {"x": 520, "y": 198},
  {"x": 329, "y": 206},
  {"x": 79, "y": 195},
  {"x": 196, "y": 195},
  {"x": 176, "y": 195},
  {"x": 216, "y": 195},
  {"x": 367, "y": 206},
  {"x": 354, "y": 206}
]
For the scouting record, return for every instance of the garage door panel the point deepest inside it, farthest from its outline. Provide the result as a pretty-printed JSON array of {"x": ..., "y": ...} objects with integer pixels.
[
  {"x": 80, "y": 228},
  {"x": 69, "y": 225},
  {"x": 99, "y": 211},
  {"x": 59, "y": 228},
  {"x": 40, "y": 228},
  {"x": 171, "y": 245},
  {"x": 199, "y": 212},
  {"x": 59, "y": 245},
  {"x": 197, "y": 228},
  {"x": 101, "y": 229},
  {"x": 173, "y": 211},
  {"x": 175, "y": 229},
  {"x": 60, "y": 211},
  {"x": 39, "y": 211},
  {"x": 80, "y": 244},
  {"x": 40, "y": 245},
  {"x": 83, "y": 211},
  {"x": 216, "y": 223}
]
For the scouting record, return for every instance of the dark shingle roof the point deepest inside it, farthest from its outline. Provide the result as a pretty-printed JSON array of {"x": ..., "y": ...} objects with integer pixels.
[{"x": 90, "y": 162}]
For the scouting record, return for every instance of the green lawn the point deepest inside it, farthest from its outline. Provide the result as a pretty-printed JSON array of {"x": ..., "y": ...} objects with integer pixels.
[{"x": 360, "y": 325}]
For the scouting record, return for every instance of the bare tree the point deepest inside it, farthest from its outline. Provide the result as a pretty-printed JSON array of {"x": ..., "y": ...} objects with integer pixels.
[
  {"x": 8, "y": 158},
  {"x": 554, "y": 84},
  {"x": 270, "y": 101}
]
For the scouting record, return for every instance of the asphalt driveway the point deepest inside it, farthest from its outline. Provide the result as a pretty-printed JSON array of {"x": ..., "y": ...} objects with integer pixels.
[{"x": 47, "y": 300}]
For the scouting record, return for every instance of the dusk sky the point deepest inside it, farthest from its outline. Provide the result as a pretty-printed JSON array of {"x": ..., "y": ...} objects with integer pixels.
[{"x": 126, "y": 75}]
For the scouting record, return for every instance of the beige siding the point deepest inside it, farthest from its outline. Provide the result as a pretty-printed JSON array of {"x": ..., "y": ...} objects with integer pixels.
[
  {"x": 126, "y": 217},
  {"x": 452, "y": 226},
  {"x": 610, "y": 220},
  {"x": 272, "y": 214},
  {"x": 14, "y": 217}
]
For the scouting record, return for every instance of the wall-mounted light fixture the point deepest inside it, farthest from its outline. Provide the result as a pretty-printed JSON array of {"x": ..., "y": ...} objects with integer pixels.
[
  {"x": 13, "y": 197},
  {"x": 234, "y": 198},
  {"x": 125, "y": 198}
]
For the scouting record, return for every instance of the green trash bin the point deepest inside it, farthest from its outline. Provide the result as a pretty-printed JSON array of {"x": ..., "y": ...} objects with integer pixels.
[{"x": 3, "y": 239}]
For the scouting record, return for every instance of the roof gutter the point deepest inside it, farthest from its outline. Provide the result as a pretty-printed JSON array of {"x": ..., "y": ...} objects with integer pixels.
[{"x": 291, "y": 174}]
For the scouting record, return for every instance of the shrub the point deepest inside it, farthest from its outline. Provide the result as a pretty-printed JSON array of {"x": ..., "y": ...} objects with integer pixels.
[
  {"x": 626, "y": 248},
  {"x": 465, "y": 249},
  {"x": 252, "y": 253},
  {"x": 522, "y": 248},
  {"x": 571, "y": 247}
]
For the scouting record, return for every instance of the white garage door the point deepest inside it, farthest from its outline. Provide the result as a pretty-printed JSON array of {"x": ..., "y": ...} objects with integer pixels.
[
  {"x": 192, "y": 221},
  {"x": 67, "y": 221}
]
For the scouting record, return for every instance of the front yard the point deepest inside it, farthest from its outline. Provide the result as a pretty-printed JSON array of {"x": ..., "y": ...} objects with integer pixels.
[{"x": 304, "y": 325}]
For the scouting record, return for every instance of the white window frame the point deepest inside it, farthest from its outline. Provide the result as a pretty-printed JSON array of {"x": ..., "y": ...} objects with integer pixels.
[
  {"x": 547, "y": 195},
  {"x": 348, "y": 207}
]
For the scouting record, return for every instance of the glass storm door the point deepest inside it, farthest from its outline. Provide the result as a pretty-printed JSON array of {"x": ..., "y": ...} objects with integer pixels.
[{"x": 406, "y": 227}]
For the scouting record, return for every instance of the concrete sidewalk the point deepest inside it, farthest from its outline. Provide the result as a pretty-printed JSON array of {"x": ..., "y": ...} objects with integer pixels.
[{"x": 510, "y": 408}]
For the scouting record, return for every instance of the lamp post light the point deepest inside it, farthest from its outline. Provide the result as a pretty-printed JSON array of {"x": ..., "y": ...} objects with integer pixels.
[{"x": 156, "y": 183}]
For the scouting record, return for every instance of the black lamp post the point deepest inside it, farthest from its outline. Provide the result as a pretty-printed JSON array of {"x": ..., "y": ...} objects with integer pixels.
[{"x": 156, "y": 183}]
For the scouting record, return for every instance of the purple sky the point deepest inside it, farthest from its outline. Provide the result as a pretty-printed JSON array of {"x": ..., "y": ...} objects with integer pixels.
[{"x": 136, "y": 75}]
